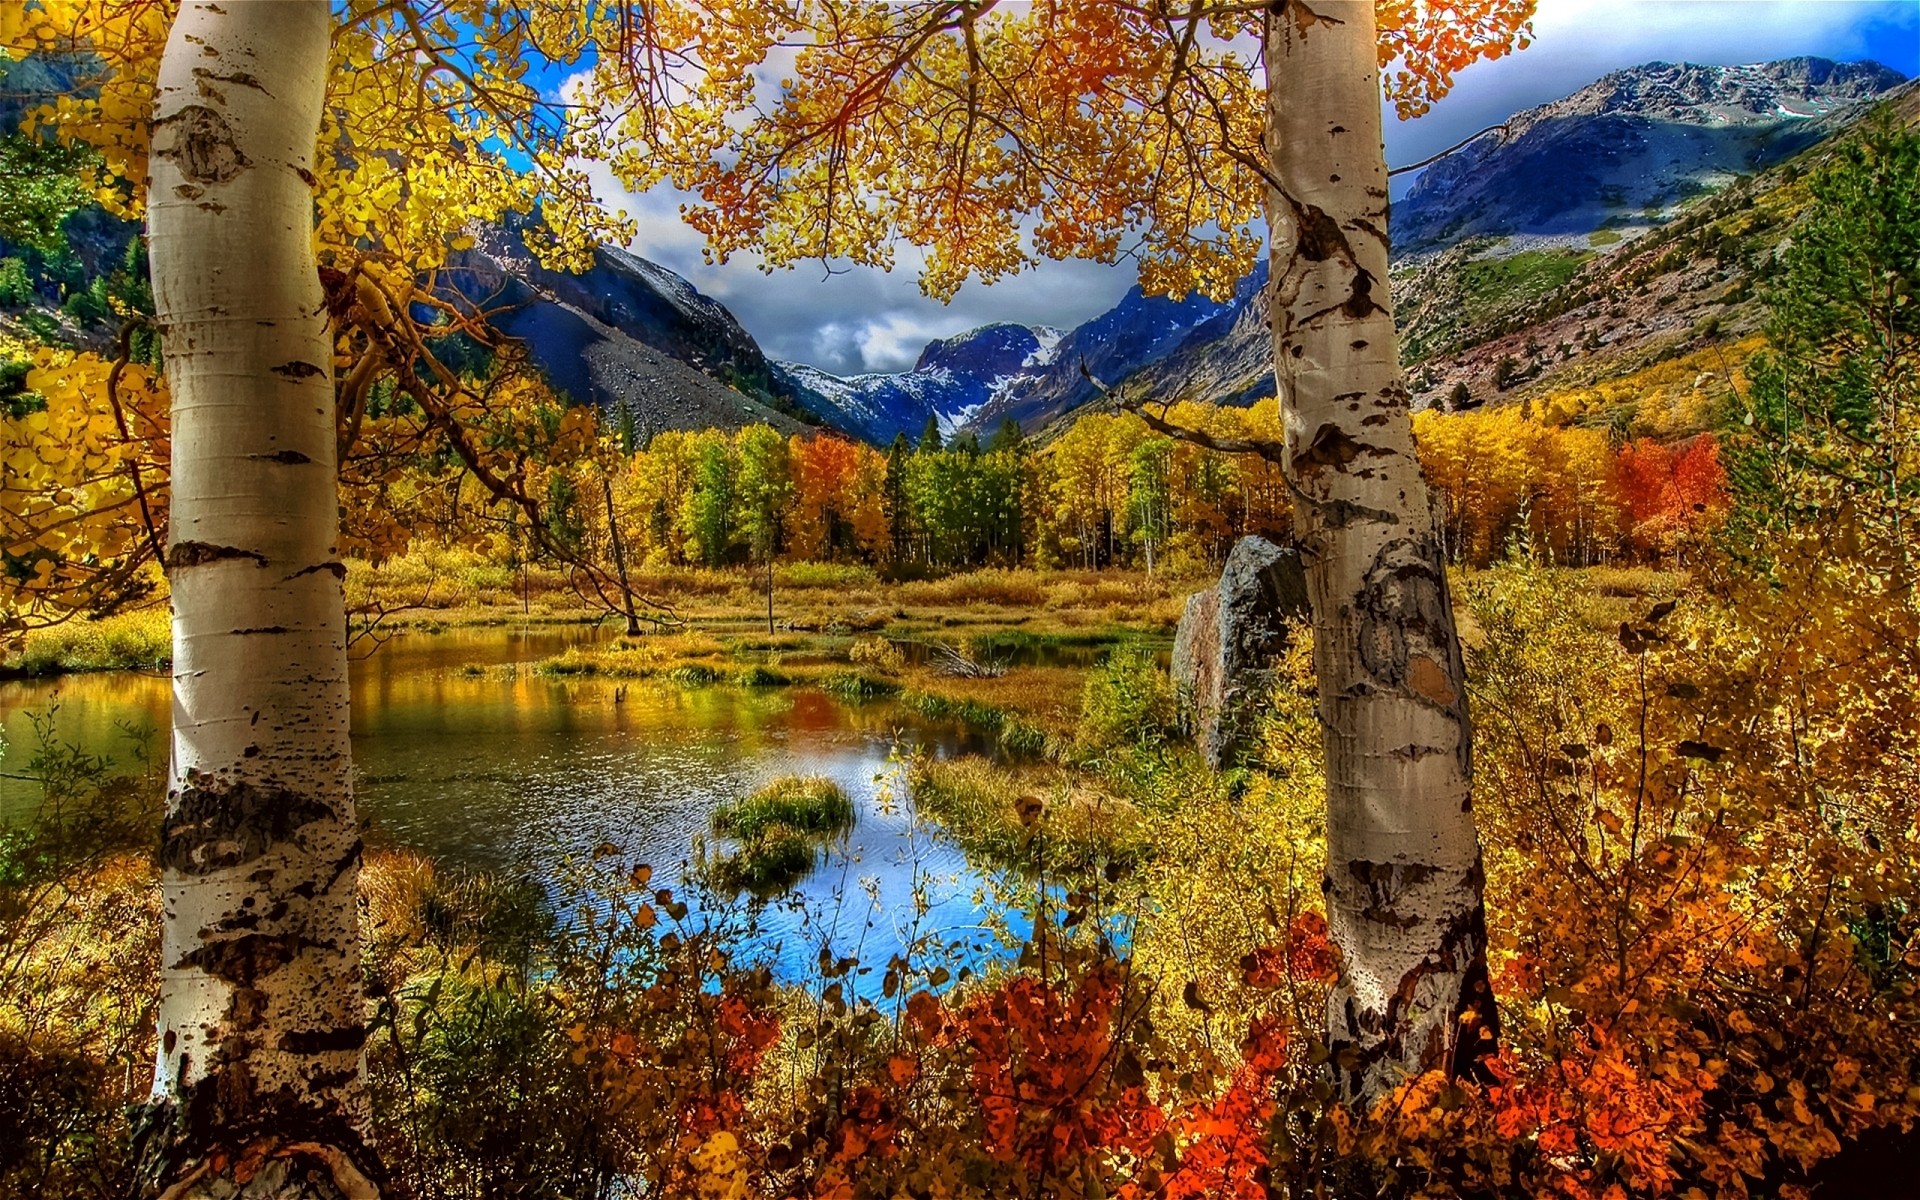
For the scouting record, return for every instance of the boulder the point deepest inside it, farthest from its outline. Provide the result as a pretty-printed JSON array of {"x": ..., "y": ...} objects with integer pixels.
[{"x": 1230, "y": 636}]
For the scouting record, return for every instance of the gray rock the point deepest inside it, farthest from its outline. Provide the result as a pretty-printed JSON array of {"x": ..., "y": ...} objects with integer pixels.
[{"x": 1229, "y": 637}]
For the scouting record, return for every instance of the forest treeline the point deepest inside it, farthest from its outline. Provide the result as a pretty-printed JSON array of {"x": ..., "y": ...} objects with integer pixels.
[{"x": 1111, "y": 491}]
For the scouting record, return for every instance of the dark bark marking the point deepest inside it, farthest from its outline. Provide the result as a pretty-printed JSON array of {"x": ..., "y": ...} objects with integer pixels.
[
  {"x": 1338, "y": 514},
  {"x": 337, "y": 569},
  {"x": 1331, "y": 446},
  {"x": 214, "y": 825},
  {"x": 298, "y": 369},
  {"x": 1320, "y": 236},
  {"x": 259, "y": 629},
  {"x": 245, "y": 960},
  {"x": 195, "y": 554},
  {"x": 237, "y": 78},
  {"x": 199, "y": 141},
  {"x": 324, "y": 1041},
  {"x": 291, "y": 458}
]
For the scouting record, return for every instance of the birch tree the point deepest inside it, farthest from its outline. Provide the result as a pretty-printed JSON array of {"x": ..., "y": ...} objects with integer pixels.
[{"x": 1164, "y": 130}]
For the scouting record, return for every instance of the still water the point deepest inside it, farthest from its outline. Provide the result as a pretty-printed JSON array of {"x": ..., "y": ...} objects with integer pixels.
[{"x": 463, "y": 752}]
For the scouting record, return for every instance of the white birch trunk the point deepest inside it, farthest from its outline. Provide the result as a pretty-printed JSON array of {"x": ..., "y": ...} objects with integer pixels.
[
  {"x": 257, "y": 1085},
  {"x": 1403, "y": 881}
]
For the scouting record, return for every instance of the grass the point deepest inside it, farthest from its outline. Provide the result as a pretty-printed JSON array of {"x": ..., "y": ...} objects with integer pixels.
[
  {"x": 127, "y": 641},
  {"x": 805, "y": 804},
  {"x": 766, "y": 867},
  {"x": 1494, "y": 285},
  {"x": 779, "y": 829},
  {"x": 1006, "y": 816},
  {"x": 857, "y": 687}
]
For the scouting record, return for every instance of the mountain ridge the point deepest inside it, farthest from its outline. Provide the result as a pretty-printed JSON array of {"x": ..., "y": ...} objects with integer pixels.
[{"x": 1475, "y": 245}]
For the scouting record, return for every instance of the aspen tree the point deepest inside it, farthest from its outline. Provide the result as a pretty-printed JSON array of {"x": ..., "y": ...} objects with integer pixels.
[
  {"x": 260, "y": 1022},
  {"x": 1403, "y": 882},
  {"x": 1147, "y": 128}
]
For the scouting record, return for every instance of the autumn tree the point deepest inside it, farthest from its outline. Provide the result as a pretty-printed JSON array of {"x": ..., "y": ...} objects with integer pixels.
[
  {"x": 306, "y": 168},
  {"x": 1148, "y": 128}
]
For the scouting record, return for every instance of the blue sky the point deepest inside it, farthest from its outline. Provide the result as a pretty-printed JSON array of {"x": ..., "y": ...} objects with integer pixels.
[{"x": 871, "y": 321}]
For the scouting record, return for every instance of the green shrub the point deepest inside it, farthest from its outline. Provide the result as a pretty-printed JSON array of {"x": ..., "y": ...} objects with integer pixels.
[
  {"x": 16, "y": 287},
  {"x": 1129, "y": 701},
  {"x": 41, "y": 324}
]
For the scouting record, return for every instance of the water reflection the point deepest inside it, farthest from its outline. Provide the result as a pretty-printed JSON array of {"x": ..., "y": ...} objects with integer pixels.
[{"x": 465, "y": 753}]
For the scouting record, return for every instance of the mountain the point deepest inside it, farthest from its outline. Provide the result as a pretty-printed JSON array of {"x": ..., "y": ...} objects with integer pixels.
[
  {"x": 1625, "y": 151},
  {"x": 952, "y": 382},
  {"x": 1514, "y": 247},
  {"x": 1570, "y": 197},
  {"x": 981, "y": 378},
  {"x": 630, "y": 332}
]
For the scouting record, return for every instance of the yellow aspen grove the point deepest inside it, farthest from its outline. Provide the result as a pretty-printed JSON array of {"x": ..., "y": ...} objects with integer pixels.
[
  {"x": 260, "y": 1024},
  {"x": 1145, "y": 127}
]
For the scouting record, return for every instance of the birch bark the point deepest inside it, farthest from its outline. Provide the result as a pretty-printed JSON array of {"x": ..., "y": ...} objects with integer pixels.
[
  {"x": 257, "y": 1084},
  {"x": 1403, "y": 882}
]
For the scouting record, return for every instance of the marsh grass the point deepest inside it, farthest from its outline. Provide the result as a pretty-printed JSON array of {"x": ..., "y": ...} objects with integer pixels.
[
  {"x": 1017, "y": 818},
  {"x": 141, "y": 641},
  {"x": 780, "y": 830},
  {"x": 803, "y": 804}
]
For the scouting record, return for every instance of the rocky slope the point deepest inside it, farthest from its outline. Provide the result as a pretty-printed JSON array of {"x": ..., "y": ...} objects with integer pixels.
[
  {"x": 630, "y": 332},
  {"x": 1624, "y": 152},
  {"x": 1551, "y": 219}
]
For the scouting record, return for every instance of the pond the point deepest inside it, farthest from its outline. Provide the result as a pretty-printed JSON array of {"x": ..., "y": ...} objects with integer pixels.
[{"x": 467, "y": 755}]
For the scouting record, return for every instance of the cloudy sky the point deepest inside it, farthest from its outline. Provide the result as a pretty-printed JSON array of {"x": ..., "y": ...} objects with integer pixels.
[{"x": 866, "y": 320}]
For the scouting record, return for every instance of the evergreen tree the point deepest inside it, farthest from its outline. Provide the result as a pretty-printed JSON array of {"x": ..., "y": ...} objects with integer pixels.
[
  {"x": 1833, "y": 417},
  {"x": 930, "y": 436},
  {"x": 1007, "y": 438},
  {"x": 895, "y": 501}
]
